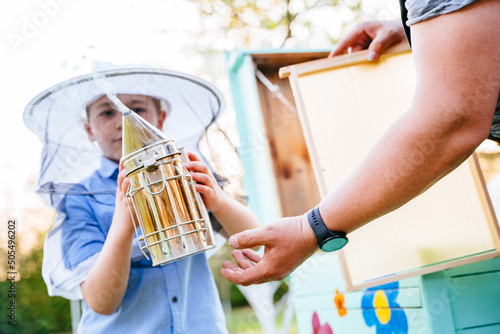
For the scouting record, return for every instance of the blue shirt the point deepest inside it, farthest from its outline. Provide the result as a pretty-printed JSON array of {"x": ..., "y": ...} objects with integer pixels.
[{"x": 180, "y": 297}]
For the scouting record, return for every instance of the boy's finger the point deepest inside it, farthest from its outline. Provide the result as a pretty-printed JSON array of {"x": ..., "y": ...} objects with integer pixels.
[
  {"x": 203, "y": 190},
  {"x": 196, "y": 166},
  {"x": 125, "y": 184},
  {"x": 121, "y": 176},
  {"x": 201, "y": 178},
  {"x": 193, "y": 156}
]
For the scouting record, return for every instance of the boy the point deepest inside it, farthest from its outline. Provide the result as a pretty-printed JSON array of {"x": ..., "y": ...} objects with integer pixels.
[{"x": 122, "y": 292}]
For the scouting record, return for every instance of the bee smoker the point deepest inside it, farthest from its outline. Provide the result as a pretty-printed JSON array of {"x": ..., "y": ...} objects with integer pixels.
[{"x": 170, "y": 219}]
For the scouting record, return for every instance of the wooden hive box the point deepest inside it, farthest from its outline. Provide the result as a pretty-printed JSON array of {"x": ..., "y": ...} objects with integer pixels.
[{"x": 284, "y": 176}]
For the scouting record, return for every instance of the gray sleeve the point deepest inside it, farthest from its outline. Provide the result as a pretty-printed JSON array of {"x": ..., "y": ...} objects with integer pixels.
[{"x": 216, "y": 226}]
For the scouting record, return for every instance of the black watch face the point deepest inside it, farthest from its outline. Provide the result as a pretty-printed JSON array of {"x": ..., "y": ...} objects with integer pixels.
[{"x": 334, "y": 244}]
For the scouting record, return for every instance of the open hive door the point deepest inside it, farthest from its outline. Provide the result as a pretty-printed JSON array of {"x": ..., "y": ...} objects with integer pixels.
[
  {"x": 279, "y": 180},
  {"x": 345, "y": 104}
]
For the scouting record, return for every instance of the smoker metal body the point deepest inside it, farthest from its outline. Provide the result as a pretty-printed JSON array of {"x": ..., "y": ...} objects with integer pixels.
[{"x": 169, "y": 217}]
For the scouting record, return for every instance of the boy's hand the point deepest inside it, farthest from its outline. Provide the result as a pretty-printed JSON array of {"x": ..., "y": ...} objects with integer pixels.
[
  {"x": 206, "y": 184},
  {"x": 122, "y": 212}
]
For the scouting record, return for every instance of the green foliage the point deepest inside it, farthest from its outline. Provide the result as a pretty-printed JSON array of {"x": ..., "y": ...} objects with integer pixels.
[
  {"x": 244, "y": 321},
  {"x": 280, "y": 292},
  {"x": 237, "y": 298},
  {"x": 36, "y": 312},
  {"x": 228, "y": 291}
]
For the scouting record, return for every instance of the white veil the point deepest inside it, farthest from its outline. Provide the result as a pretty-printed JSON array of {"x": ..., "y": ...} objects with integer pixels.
[{"x": 68, "y": 156}]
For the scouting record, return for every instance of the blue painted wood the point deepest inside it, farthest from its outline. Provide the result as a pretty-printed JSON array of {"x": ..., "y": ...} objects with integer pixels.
[
  {"x": 253, "y": 151},
  {"x": 314, "y": 285},
  {"x": 493, "y": 329},
  {"x": 354, "y": 323},
  {"x": 474, "y": 268},
  {"x": 463, "y": 300},
  {"x": 436, "y": 304},
  {"x": 407, "y": 298},
  {"x": 319, "y": 277},
  {"x": 477, "y": 300},
  {"x": 320, "y": 274}
]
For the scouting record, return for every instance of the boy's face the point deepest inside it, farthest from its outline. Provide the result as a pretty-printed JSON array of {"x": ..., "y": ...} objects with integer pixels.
[{"x": 104, "y": 122}]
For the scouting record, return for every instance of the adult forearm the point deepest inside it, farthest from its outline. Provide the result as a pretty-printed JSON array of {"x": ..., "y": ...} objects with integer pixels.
[
  {"x": 419, "y": 149},
  {"x": 458, "y": 83},
  {"x": 451, "y": 114},
  {"x": 106, "y": 283}
]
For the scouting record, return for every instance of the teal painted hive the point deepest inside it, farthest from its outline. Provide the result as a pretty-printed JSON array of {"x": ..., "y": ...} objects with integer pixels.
[{"x": 464, "y": 299}]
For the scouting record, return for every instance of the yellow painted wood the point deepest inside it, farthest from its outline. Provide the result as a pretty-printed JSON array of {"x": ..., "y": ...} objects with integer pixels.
[{"x": 344, "y": 109}]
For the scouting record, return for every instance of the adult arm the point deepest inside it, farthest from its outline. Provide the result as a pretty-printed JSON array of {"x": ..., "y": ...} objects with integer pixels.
[{"x": 458, "y": 82}]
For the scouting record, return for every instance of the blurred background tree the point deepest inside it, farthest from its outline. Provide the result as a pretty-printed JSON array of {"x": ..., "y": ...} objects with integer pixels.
[
  {"x": 228, "y": 25},
  {"x": 236, "y": 24},
  {"x": 36, "y": 312}
]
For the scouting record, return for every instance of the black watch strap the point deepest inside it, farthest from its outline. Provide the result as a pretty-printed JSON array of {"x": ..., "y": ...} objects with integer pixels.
[{"x": 323, "y": 234}]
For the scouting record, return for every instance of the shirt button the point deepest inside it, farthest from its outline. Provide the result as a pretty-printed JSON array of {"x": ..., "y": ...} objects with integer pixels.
[{"x": 174, "y": 300}]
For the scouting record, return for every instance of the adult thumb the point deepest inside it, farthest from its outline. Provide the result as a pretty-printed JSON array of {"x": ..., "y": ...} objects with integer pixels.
[{"x": 249, "y": 238}]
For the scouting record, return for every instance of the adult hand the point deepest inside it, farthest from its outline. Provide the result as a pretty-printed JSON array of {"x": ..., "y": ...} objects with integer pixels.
[
  {"x": 288, "y": 242},
  {"x": 376, "y": 36}
]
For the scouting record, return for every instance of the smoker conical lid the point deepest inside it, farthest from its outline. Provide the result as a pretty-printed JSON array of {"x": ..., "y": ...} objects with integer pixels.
[
  {"x": 138, "y": 133},
  {"x": 57, "y": 117}
]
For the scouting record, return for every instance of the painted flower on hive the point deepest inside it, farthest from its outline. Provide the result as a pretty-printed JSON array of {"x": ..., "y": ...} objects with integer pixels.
[
  {"x": 339, "y": 302},
  {"x": 381, "y": 310},
  {"x": 318, "y": 328}
]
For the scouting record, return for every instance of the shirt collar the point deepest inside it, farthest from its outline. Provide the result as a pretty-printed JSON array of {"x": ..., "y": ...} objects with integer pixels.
[{"x": 108, "y": 169}]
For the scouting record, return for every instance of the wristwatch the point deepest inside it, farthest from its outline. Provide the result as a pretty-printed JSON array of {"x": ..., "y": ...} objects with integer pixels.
[{"x": 328, "y": 241}]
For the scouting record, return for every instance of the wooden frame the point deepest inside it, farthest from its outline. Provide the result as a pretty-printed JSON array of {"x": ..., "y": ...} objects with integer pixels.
[
  {"x": 279, "y": 179},
  {"x": 471, "y": 193}
]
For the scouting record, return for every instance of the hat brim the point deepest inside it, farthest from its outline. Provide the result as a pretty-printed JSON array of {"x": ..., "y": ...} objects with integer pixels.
[
  {"x": 194, "y": 103},
  {"x": 55, "y": 115}
]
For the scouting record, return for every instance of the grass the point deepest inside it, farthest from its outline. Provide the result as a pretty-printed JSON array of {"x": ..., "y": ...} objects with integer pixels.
[{"x": 244, "y": 321}]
